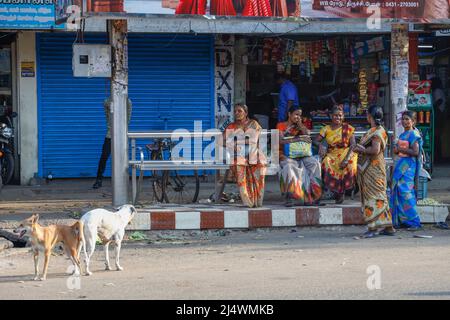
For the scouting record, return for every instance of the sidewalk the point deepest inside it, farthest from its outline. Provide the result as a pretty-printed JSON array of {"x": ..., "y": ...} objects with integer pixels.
[{"x": 63, "y": 200}]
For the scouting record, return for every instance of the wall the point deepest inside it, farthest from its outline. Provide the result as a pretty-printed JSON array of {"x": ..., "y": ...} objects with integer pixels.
[
  {"x": 27, "y": 108},
  {"x": 240, "y": 72},
  {"x": 224, "y": 80}
]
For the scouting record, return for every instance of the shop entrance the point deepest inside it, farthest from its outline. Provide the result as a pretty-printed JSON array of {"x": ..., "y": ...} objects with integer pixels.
[
  {"x": 433, "y": 60},
  {"x": 7, "y": 97},
  {"x": 351, "y": 71}
]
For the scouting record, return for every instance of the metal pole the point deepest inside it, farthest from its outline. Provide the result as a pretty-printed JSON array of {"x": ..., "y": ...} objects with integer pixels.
[
  {"x": 119, "y": 93},
  {"x": 399, "y": 75}
]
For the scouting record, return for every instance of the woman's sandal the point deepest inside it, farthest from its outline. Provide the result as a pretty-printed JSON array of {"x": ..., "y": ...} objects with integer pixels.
[
  {"x": 369, "y": 234},
  {"x": 386, "y": 233},
  {"x": 340, "y": 199}
]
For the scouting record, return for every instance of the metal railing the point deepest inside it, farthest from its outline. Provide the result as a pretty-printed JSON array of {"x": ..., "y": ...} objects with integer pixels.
[{"x": 214, "y": 164}]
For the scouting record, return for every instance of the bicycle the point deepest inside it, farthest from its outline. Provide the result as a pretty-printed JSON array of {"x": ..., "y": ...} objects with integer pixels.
[{"x": 171, "y": 186}]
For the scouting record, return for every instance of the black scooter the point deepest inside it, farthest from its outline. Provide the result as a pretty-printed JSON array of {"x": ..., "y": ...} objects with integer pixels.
[{"x": 6, "y": 149}]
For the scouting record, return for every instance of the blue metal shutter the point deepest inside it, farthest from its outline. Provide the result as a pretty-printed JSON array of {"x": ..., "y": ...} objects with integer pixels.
[{"x": 169, "y": 76}]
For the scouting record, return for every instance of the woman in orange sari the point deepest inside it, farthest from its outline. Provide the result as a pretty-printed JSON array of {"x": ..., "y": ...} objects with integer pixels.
[
  {"x": 248, "y": 162},
  {"x": 339, "y": 164}
]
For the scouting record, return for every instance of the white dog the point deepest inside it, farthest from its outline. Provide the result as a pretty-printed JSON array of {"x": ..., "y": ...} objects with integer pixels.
[{"x": 109, "y": 226}]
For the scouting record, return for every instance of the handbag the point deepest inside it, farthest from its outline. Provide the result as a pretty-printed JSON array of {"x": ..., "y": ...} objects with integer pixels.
[{"x": 297, "y": 149}]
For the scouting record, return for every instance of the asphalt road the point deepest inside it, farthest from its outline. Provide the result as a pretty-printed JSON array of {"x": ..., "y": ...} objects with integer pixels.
[{"x": 291, "y": 263}]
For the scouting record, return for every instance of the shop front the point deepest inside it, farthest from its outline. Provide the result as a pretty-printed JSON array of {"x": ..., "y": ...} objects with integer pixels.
[
  {"x": 348, "y": 70},
  {"x": 429, "y": 89},
  {"x": 171, "y": 79}
]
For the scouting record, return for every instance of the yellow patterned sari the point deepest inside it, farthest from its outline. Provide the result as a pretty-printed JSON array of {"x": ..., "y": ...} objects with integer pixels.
[
  {"x": 372, "y": 182},
  {"x": 336, "y": 179}
]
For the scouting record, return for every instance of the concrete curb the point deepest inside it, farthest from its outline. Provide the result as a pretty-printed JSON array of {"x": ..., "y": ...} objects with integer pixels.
[{"x": 235, "y": 218}]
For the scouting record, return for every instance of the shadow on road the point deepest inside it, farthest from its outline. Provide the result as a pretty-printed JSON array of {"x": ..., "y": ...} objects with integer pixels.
[
  {"x": 30, "y": 277},
  {"x": 430, "y": 294}
]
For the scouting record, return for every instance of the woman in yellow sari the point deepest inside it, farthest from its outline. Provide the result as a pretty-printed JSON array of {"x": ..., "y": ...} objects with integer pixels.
[
  {"x": 339, "y": 163},
  {"x": 372, "y": 176},
  {"x": 248, "y": 162}
]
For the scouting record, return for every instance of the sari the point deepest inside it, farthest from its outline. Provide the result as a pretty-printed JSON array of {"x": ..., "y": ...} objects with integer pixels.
[
  {"x": 372, "y": 182},
  {"x": 300, "y": 178},
  {"x": 403, "y": 195},
  {"x": 335, "y": 179},
  {"x": 248, "y": 163}
]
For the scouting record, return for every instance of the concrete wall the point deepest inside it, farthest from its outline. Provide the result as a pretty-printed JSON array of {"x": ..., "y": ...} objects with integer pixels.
[{"x": 27, "y": 108}]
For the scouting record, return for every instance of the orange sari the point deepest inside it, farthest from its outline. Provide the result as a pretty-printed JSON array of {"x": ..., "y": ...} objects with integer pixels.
[{"x": 249, "y": 169}]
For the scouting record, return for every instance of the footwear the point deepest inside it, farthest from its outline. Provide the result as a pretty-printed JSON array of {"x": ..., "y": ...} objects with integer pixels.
[
  {"x": 413, "y": 229},
  {"x": 97, "y": 184},
  {"x": 369, "y": 234},
  {"x": 289, "y": 202},
  {"x": 318, "y": 203},
  {"x": 339, "y": 199},
  {"x": 386, "y": 233},
  {"x": 442, "y": 225}
]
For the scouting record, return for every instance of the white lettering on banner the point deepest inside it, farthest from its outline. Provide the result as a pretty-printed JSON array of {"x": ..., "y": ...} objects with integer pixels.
[{"x": 224, "y": 82}]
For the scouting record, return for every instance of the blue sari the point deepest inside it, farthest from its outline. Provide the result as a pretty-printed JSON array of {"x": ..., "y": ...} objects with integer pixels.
[{"x": 403, "y": 200}]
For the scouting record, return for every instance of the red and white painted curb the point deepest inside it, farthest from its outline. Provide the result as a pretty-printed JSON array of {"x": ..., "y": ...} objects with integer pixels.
[{"x": 235, "y": 218}]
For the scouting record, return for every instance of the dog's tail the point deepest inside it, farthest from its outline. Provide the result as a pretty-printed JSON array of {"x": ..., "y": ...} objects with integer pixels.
[{"x": 78, "y": 228}]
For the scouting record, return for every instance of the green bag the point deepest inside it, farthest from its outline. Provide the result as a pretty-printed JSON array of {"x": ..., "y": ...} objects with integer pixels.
[{"x": 297, "y": 149}]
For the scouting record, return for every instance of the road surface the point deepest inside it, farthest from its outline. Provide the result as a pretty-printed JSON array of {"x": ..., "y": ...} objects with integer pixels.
[{"x": 288, "y": 263}]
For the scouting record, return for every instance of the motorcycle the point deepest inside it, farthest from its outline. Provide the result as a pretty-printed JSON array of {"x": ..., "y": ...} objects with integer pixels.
[{"x": 7, "y": 149}]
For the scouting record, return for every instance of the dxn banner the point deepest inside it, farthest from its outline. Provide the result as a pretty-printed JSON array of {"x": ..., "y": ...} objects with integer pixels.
[{"x": 415, "y": 10}]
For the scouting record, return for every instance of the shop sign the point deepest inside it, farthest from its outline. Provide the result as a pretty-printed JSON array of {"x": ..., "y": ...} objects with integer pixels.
[
  {"x": 224, "y": 81},
  {"x": 415, "y": 10},
  {"x": 27, "y": 14},
  {"x": 27, "y": 69}
]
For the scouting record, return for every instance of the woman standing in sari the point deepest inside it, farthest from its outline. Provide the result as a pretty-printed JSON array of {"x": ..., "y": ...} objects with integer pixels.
[
  {"x": 300, "y": 178},
  {"x": 372, "y": 176},
  {"x": 248, "y": 162},
  {"x": 339, "y": 162},
  {"x": 403, "y": 197}
]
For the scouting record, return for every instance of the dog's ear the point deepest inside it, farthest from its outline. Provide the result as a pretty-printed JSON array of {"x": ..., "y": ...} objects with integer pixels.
[{"x": 35, "y": 218}]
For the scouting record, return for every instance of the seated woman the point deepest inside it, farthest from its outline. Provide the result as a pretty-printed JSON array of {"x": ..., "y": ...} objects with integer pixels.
[
  {"x": 300, "y": 177},
  {"x": 248, "y": 162},
  {"x": 339, "y": 164},
  {"x": 403, "y": 196}
]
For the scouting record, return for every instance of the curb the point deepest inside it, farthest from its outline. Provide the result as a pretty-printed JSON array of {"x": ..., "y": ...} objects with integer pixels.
[{"x": 214, "y": 218}]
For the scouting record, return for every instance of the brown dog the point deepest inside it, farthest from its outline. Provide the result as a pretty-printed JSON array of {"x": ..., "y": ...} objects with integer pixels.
[{"x": 45, "y": 238}]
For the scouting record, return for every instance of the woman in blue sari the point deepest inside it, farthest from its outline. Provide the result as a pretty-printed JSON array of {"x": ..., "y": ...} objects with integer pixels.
[{"x": 403, "y": 200}]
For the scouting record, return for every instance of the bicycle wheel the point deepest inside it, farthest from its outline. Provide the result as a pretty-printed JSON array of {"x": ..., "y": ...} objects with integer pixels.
[
  {"x": 157, "y": 178},
  {"x": 179, "y": 187}
]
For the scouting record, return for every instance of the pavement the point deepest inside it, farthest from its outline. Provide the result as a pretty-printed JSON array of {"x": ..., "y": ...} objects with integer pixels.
[{"x": 64, "y": 200}]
